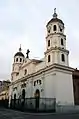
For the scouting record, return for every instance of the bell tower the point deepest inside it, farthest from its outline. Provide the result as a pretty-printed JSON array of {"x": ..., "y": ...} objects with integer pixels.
[{"x": 56, "y": 51}]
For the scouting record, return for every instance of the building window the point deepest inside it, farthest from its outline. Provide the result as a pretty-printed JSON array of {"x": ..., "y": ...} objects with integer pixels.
[
  {"x": 62, "y": 42},
  {"x": 20, "y": 59},
  {"x": 16, "y": 59},
  {"x": 48, "y": 30},
  {"x": 17, "y": 74},
  {"x": 48, "y": 43},
  {"x": 34, "y": 83},
  {"x": 25, "y": 71},
  {"x": 23, "y": 85},
  {"x": 63, "y": 57},
  {"x": 54, "y": 28},
  {"x": 39, "y": 81},
  {"x": 60, "y": 29},
  {"x": 48, "y": 58}
]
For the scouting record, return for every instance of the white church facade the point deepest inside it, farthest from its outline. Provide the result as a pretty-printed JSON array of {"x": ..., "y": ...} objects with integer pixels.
[{"x": 50, "y": 77}]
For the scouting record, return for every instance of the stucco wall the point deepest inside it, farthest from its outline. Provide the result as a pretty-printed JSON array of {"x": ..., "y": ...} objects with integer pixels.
[
  {"x": 64, "y": 88},
  {"x": 59, "y": 85}
]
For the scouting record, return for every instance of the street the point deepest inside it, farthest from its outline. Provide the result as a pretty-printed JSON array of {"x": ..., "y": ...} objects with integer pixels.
[{"x": 11, "y": 114}]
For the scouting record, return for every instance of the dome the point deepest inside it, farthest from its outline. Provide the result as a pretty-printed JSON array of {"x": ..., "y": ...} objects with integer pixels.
[
  {"x": 55, "y": 19},
  {"x": 19, "y": 54}
]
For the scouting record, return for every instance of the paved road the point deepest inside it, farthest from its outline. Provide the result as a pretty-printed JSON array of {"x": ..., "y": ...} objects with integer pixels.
[{"x": 10, "y": 114}]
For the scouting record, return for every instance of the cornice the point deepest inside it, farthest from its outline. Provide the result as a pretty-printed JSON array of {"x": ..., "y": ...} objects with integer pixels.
[
  {"x": 51, "y": 34},
  {"x": 41, "y": 71},
  {"x": 56, "y": 48}
]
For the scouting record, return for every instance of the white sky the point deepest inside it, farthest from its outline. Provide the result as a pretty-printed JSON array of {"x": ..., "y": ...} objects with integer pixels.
[{"x": 24, "y": 22}]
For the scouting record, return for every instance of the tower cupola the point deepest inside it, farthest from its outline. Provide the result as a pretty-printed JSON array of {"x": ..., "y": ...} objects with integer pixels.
[
  {"x": 19, "y": 56},
  {"x": 19, "y": 53},
  {"x": 55, "y": 19}
]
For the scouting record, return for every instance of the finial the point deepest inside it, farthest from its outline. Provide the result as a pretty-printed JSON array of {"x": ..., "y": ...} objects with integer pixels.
[
  {"x": 54, "y": 10},
  {"x": 55, "y": 14},
  {"x": 20, "y": 48}
]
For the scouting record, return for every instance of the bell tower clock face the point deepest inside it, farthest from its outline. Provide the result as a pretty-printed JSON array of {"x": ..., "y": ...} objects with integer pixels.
[{"x": 49, "y": 29}]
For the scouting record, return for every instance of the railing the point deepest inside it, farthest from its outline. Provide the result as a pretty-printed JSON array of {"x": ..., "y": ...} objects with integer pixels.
[{"x": 34, "y": 104}]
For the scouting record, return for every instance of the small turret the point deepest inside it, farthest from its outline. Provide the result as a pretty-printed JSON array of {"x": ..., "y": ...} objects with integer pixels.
[{"x": 18, "y": 61}]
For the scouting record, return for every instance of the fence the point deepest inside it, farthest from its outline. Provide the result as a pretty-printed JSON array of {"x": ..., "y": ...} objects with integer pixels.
[{"x": 34, "y": 104}]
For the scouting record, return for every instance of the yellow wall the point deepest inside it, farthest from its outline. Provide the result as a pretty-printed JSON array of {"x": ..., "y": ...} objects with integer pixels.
[{"x": 4, "y": 95}]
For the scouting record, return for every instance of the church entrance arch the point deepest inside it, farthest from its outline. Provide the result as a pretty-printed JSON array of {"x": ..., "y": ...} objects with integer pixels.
[
  {"x": 37, "y": 97},
  {"x": 23, "y": 94}
]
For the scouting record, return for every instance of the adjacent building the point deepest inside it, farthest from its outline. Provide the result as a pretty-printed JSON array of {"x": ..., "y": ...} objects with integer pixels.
[
  {"x": 4, "y": 89},
  {"x": 76, "y": 86}
]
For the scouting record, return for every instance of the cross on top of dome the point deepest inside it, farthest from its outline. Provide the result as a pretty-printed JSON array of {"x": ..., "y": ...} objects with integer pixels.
[
  {"x": 20, "y": 48},
  {"x": 55, "y": 14}
]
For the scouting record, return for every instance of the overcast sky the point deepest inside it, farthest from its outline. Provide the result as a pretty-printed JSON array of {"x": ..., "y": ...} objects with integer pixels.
[{"x": 24, "y": 22}]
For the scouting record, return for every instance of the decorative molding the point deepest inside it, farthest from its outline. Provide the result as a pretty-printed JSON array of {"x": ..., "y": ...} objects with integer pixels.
[
  {"x": 44, "y": 70},
  {"x": 56, "y": 48},
  {"x": 51, "y": 34},
  {"x": 23, "y": 85}
]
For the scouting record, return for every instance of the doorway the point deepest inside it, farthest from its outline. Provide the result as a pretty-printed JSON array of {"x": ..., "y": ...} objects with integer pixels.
[
  {"x": 23, "y": 97},
  {"x": 37, "y": 97},
  {"x": 23, "y": 94},
  {"x": 14, "y": 100}
]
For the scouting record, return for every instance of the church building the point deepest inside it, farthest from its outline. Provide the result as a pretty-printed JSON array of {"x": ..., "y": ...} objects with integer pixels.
[{"x": 50, "y": 77}]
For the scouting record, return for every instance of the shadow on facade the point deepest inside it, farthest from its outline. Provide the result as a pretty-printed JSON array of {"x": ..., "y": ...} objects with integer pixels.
[
  {"x": 34, "y": 104},
  {"x": 4, "y": 103}
]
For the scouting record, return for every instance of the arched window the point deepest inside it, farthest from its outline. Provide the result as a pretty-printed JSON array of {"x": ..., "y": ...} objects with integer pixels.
[
  {"x": 48, "y": 43},
  {"x": 61, "y": 29},
  {"x": 62, "y": 42},
  {"x": 16, "y": 59},
  {"x": 34, "y": 83},
  {"x": 63, "y": 57},
  {"x": 48, "y": 58},
  {"x": 20, "y": 59},
  {"x": 17, "y": 74},
  {"x": 25, "y": 71},
  {"x": 39, "y": 81},
  {"x": 54, "y": 28}
]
